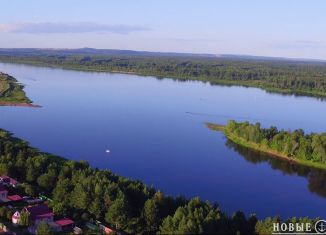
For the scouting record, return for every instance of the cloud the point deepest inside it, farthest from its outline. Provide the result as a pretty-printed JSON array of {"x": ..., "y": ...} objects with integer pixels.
[{"x": 81, "y": 27}]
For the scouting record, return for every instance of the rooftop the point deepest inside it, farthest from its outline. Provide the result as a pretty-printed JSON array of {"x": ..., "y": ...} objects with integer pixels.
[
  {"x": 64, "y": 222},
  {"x": 39, "y": 211},
  {"x": 8, "y": 179},
  {"x": 14, "y": 198}
]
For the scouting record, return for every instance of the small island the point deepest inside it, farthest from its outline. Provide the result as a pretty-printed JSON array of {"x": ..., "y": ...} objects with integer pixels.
[
  {"x": 12, "y": 93},
  {"x": 294, "y": 146}
]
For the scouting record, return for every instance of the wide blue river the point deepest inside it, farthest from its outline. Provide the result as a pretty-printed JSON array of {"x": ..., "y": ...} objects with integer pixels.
[{"x": 155, "y": 131}]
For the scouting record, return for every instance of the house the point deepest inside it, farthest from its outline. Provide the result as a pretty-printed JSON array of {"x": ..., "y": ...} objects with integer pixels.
[
  {"x": 106, "y": 229},
  {"x": 77, "y": 230},
  {"x": 15, "y": 198},
  {"x": 65, "y": 224},
  {"x": 39, "y": 213},
  {"x": 3, "y": 193},
  {"x": 15, "y": 218},
  {"x": 7, "y": 180}
]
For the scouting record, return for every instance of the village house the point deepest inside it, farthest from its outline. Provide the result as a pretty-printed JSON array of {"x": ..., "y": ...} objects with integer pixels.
[
  {"x": 3, "y": 193},
  {"x": 65, "y": 224},
  {"x": 14, "y": 198},
  {"x": 39, "y": 213},
  {"x": 7, "y": 180},
  {"x": 61, "y": 225},
  {"x": 77, "y": 230},
  {"x": 15, "y": 218},
  {"x": 106, "y": 229}
]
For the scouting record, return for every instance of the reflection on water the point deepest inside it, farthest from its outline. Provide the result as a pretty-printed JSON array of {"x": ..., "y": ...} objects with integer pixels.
[{"x": 316, "y": 177}]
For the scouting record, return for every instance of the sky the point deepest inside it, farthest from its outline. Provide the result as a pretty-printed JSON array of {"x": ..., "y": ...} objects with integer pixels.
[{"x": 279, "y": 28}]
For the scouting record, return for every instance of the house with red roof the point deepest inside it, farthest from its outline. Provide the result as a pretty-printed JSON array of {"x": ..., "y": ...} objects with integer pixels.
[
  {"x": 61, "y": 225},
  {"x": 65, "y": 224},
  {"x": 106, "y": 229},
  {"x": 14, "y": 198},
  {"x": 3, "y": 193},
  {"x": 8, "y": 180}
]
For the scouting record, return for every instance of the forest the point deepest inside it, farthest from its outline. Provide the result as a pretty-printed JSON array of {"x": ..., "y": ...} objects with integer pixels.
[
  {"x": 83, "y": 193},
  {"x": 273, "y": 75},
  {"x": 309, "y": 149}
]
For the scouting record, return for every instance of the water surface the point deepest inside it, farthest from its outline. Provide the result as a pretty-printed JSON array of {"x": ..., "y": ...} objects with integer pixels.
[{"x": 156, "y": 133}]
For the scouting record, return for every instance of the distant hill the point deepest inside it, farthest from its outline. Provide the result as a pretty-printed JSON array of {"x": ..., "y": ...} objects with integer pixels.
[
  {"x": 92, "y": 51},
  {"x": 131, "y": 53},
  {"x": 267, "y": 58}
]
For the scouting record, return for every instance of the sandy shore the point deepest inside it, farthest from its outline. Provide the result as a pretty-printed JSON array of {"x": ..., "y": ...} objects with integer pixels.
[{"x": 20, "y": 104}]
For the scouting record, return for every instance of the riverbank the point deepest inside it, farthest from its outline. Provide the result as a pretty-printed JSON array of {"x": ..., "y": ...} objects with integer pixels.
[
  {"x": 12, "y": 93},
  {"x": 261, "y": 148},
  {"x": 29, "y": 105}
]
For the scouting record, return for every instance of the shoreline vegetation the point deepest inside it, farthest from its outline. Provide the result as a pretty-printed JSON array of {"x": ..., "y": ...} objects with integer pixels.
[
  {"x": 276, "y": 76},
  {"x": 82, "y": 192},
  {"x": 293, "y": 146},
  {"x": 12, "y": 93},
  {"x": 221, "y": 82}
]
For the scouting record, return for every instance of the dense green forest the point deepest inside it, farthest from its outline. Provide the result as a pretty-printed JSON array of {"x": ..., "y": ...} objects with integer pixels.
[
  {"x": 286, "y": 76},
  {"x": 11, "y": 92},
  {"x": 81, "y": 192},
  {"x": 309, "y": 149}
]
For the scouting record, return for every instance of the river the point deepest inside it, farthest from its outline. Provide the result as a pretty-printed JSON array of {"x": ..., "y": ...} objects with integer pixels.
[{"x": 155, "y": 131}]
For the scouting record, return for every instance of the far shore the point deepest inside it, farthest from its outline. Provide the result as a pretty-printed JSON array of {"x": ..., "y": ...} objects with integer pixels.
[{"x": 221, "y": 82}]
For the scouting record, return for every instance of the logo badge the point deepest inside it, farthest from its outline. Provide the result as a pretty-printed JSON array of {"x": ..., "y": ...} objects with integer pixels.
[{"x": 320, "y": 226}]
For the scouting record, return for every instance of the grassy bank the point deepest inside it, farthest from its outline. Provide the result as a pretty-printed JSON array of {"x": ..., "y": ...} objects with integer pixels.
[
  {"x": 11, "y": 92},
  {"x": 261, "y": 148}
]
